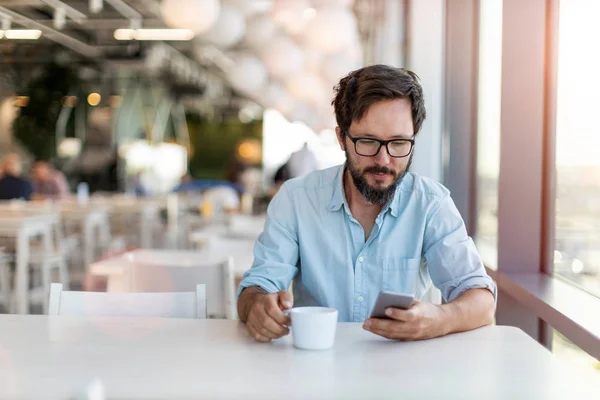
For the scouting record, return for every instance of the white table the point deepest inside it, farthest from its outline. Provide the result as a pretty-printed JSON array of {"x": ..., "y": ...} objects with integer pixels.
[
  {"x": 24, "y": 226},
  {"x": 54, "y": 358},
  {"x": 90, "y": 219},
  {"x": 145, "y": 211}
]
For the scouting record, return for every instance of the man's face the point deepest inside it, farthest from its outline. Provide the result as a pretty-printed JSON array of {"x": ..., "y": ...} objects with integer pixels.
[
  {"x": 40, "y": 172},
  {"x": 377, "y": 177},
  {"x": 12, "y": 165}
]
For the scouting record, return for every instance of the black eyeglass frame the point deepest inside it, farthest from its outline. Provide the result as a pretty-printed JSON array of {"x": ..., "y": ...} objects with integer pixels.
[{"x": 381, "y": 143}]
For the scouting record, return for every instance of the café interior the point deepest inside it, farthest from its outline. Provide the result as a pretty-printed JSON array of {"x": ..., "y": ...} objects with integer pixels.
[{"x": 143, "y": 141}]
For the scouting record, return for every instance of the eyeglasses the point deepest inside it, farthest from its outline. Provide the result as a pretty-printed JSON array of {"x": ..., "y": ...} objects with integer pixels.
[{"x": 368, "y": 147}]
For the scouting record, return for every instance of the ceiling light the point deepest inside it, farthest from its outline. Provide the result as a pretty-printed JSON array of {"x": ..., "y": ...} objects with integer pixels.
[
  {"x": 153, "y": 34},
  {"x": 94, "y": 99},
  {"x": 23, "y": 34},
  {"x": 124, "y": 34},
  {"x": 96, "y": 6}
]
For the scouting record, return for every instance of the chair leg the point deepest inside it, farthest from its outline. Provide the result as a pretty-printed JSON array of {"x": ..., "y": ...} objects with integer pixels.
[
  {"x": 46, "y": 281},
  {"x": 5, "y": 286},
  {"x": 63, "y": 273}
]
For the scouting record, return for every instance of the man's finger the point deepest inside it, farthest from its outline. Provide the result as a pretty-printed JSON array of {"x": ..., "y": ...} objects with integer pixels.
[
  {"x": 273, "y": 311},
  {"x": 272, "y": 328},
  {"x": 390, "y": 335},
  {"x": 399, "y": 314},
  {"x": 255, "y": 334},
  {"x": 390, "y": 328},
  {"x": 286, "y": 299},
  {"x": 381, "y": 324}
]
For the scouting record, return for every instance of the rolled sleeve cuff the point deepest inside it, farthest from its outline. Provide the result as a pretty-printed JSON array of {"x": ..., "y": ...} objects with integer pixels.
[
  {"x": 262, "y": 283},
  {"x": 454, "y": 289}
]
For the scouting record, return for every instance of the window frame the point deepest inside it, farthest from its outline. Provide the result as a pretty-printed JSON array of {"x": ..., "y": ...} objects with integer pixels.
[{"x": 530, "y": 297}]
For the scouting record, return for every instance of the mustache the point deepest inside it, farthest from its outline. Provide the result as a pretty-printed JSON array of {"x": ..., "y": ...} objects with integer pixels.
[{"x": 379, "y": 170}]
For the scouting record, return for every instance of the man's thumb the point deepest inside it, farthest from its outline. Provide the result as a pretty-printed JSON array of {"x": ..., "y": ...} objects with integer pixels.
[{"x": 286, "y": 299}]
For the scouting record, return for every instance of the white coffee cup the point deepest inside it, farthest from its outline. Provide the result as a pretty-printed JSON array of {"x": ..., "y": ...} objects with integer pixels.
[{"x": 313, "y": 328}]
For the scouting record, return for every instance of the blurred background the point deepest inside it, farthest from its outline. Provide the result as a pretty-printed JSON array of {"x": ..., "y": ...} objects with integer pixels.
[
  {"x": 124, "y": 93},
  {"x": 220, "y": 101}
]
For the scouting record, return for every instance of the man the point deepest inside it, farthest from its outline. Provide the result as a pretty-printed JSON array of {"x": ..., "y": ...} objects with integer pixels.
[
  {"x": 346, "y": 233},
  {"x": 48, "y": 183},
  {"x": 12, "y": 185}
]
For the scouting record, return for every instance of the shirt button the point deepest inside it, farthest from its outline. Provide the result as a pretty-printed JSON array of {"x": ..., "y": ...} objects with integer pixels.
[
  {"x": 361, "y": 259},
  {"x": 360, "y": 298}
]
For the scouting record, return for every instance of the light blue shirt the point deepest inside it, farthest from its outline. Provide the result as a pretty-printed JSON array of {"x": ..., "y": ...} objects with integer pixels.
[{"x": 311, "y": 236}]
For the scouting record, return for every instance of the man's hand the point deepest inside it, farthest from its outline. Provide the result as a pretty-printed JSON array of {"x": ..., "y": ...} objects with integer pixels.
[
  {"x": 420, "y": 321},
  {"x": 266, "y": 319}
]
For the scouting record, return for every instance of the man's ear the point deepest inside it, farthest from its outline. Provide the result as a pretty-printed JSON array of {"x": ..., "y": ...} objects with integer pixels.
[{"x": 340, "y": 138}]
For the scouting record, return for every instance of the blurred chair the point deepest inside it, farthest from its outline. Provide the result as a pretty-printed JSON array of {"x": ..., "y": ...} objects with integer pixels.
[
  {"x": 217, "y": 276},
  {"x": 5, "y": 292},
  {"x": 48, "y": 263},
  {"x": 190, "y": 305}
]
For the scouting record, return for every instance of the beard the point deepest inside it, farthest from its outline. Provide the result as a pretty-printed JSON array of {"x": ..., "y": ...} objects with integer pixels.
[{"x": 372, "y": 194}]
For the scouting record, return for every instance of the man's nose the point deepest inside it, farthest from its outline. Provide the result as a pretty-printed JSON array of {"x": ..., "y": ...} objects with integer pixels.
[{"x": 382, "y": 157}]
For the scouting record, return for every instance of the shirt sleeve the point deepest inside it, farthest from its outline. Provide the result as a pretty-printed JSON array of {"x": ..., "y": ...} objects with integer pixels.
[
  {"x": 276, "y": 250},
  {"x": 452, "y": 259}
]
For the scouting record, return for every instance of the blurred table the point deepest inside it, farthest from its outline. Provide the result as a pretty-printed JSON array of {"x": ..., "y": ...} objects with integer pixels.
[
  {"x": 55, "y": 357},
  {"x": 145, "y": 211},
  {"x": 89, "y": 219},
  {"x": 23, "y": 227}
]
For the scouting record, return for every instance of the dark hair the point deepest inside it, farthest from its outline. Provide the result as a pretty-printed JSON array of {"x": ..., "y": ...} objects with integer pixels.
[{"x": 360, "y": 89}]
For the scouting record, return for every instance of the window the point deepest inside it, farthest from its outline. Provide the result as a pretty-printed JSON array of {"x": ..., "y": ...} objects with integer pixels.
[
  {"x": 577, "y": 230},
  {"x": 488, "y": 129},
  {"x": 582, "y": 363}
]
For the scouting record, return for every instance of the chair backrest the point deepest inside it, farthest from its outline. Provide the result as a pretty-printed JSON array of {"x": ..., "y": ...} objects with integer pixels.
[
  {"x": 217, "y": 276},
  {"x": 161, "y": 305}
]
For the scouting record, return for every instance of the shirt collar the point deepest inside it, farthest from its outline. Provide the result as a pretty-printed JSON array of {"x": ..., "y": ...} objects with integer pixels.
[{"x": 338, "y": 199}]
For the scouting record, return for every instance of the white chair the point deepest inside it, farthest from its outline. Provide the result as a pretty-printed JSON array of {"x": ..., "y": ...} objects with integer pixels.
[
  {"x": 161, "y": 305},
  {"x": 56, "y": 260},
  {"x": 5, "y": 292},
  {"x": 216, "y": 275}
]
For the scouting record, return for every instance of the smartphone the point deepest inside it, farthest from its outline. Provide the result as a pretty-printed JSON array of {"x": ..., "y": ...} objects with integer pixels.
[{"x": 390, "y": 299}]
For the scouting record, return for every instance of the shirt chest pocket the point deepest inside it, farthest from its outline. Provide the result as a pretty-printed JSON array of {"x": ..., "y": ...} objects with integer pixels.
[{"x": 400, "y": 274}]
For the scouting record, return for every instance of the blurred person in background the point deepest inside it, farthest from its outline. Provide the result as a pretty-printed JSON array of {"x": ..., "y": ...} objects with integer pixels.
[
  {"x": 48, "y": 183},
  {"x": 302, "y": 162},
  {"x": 281, "y": 175},
  {"x": 12, "y": 185}
]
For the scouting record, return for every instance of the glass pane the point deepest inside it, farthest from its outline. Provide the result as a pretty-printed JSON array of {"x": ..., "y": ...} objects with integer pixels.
[
  {"x": 488, "y": 129},
  {"x": 569, "y": 353},
  {"x": 577, "y": 250}
]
